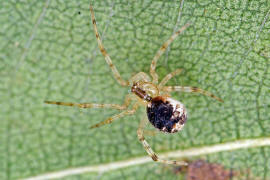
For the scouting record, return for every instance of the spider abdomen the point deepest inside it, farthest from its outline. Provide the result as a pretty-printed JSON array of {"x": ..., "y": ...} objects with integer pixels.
[{"x": 166, "y": 114}]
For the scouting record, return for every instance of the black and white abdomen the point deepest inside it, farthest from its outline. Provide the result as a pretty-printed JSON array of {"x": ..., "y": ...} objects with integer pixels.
[{"x": 166, "y": 114}]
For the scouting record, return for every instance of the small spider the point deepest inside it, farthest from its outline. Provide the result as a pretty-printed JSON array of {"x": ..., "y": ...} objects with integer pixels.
[{"x": 163, "y": 112}]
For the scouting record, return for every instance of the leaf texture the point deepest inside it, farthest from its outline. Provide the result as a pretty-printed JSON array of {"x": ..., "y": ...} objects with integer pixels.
[{"x": 48, "y": 51}]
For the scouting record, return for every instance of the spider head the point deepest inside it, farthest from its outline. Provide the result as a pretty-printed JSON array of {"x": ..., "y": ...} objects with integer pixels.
[
  {"x": 166, "y": 114},
  {"x": 145, "y": 90}
]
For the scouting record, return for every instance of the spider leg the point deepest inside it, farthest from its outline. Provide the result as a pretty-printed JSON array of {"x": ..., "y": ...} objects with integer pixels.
[
  {"x": 87, "y": 105},
  {"x": 149, "y": 150},
  {"x": 115, "y": 72},
  {"x": 168, "y": 77},
  {"x": 117, "y": 116},
  {"x": 162, "y": 50},
  {"x": 149, "y": 132},
  {"x": 190, "y": 89},
  {"x": 142, "y": 125},
  {"x": 94, "y": 105}
]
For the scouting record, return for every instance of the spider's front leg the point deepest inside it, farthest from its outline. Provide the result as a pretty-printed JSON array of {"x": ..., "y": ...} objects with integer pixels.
[
  {"x": 150, "y": 151},
  {"x": 108, "y": 59},
  {"x": 168, "y": 77},
  {"x": 162, "y": 50}
]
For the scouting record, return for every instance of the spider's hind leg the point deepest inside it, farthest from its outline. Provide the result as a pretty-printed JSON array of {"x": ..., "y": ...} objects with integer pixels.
[{"x": 150, "y": 151}]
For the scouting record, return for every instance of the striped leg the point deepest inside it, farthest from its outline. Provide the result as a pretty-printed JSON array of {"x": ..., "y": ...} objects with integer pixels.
[
  {"x": 149, "y": 150},
  {"x": 168, "y": 77},
  {"x": 115, "y": 72},
  {"x": 117, "y": 116},
  {"x": 190, "y": 89},
  {"x": 94, "y": 105},
  {"x": 87, "y": 105},
  {"x": 162, "y": 50}
]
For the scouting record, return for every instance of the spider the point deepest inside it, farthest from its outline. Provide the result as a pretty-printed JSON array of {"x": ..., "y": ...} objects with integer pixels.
[{"x": 163, "y": 112}]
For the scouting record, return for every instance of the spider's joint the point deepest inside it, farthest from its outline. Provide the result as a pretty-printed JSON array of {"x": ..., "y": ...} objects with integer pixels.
[{"x": 154, "y": 157}]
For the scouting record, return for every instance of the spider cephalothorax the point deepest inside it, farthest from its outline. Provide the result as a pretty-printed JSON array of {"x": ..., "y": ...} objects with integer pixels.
[
  {"x": 163, "y": 112},
  {"x": 140, "y": 92}
]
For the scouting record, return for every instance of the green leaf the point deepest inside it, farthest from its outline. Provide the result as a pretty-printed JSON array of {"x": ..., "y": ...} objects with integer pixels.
[{"x": 48, "y": 51}]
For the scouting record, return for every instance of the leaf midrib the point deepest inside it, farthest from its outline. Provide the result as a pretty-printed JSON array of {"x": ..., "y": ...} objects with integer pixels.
[{"x": 187, "y": 153}]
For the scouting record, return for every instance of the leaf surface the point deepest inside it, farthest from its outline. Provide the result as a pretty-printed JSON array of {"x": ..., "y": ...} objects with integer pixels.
[{"x": 49, "y": 52}]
